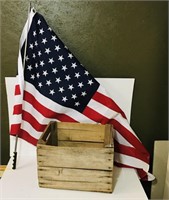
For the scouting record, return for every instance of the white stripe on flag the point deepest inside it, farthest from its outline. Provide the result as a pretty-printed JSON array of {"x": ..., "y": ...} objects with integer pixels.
[
  {"x": 16, "y": 119},
  {"x": 102, "y": 109},
  {"x": 26, "y": 126},
  {"x": 131, "y": 161},
  {"x": 121, "y": 140},
  {"x": 18, "y": 99}
]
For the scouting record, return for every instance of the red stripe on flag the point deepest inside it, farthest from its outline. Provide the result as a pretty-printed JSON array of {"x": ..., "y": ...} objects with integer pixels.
[
  {"x": 130, "y": 151},
  {"x": 34, "y": 123},
  {"x": 27, "y": 137},
  {"x": 95, "y": 116},
  {"x": 17, "y": 90},
  {"x": 142, "y": 174},
  {"x": 15, "y": 128},
  {"x": 46, "y": 112},
  {"x": 130, "y": 137},
  {"x": 108, "y": 102},
  {"x": 17, "y": 109}
]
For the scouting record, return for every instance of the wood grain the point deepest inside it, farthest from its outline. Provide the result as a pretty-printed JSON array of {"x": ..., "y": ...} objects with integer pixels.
[{"x": 80, "y": 157}]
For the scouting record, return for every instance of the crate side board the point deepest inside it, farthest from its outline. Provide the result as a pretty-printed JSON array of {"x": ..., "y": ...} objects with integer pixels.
[
  {"x": 80, "y": 135},
  {"x": 75, "y": 157},
  {"x": 74, "y": 175},
  {"x": 63, "y": 131},
  {"x": 76, "y": 179},
  {"x": 80, "y": 144},
  {"x": 83, "y": 186},
  {"x": 81, "y": 126}
]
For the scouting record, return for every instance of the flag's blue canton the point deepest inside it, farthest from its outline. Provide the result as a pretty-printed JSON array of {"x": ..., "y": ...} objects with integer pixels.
[{"x": 54, "y": 70}]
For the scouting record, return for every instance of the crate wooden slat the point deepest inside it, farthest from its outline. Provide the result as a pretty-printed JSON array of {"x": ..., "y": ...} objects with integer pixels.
[
  {"x": 79, "y": 158},
  {"x": 78, "y": 179},
  {"x": 85, "y": 186},
  {"x": 76, "y": 157},
  {"x": 80, "y": 144}
]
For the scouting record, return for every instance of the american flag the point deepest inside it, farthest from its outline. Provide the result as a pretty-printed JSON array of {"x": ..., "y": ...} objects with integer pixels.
[{"x": 54, "y": 85}]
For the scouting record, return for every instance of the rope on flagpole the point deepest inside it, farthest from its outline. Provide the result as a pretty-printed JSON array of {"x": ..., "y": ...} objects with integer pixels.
[{"x": 16, "y": 138}]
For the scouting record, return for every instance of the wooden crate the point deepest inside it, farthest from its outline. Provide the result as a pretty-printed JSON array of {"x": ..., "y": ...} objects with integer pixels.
[{"x": 76, "y": 156}]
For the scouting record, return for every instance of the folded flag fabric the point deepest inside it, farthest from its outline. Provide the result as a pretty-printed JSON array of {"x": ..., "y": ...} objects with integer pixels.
[{"x": 53, "y": 85}]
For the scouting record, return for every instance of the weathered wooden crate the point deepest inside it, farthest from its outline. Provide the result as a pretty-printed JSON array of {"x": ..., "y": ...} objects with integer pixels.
[{"x": 76, "y": 156}]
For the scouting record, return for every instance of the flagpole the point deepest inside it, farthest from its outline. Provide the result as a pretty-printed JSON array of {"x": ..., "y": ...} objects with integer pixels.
[
  {"x": 16, "y": 138},
  {"x": 29, "y": 9}
]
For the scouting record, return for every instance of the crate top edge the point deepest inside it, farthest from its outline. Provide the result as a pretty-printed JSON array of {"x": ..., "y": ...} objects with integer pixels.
[
  {"x": 80, "y": 125},
  {"x": 41, "y": 146}
]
